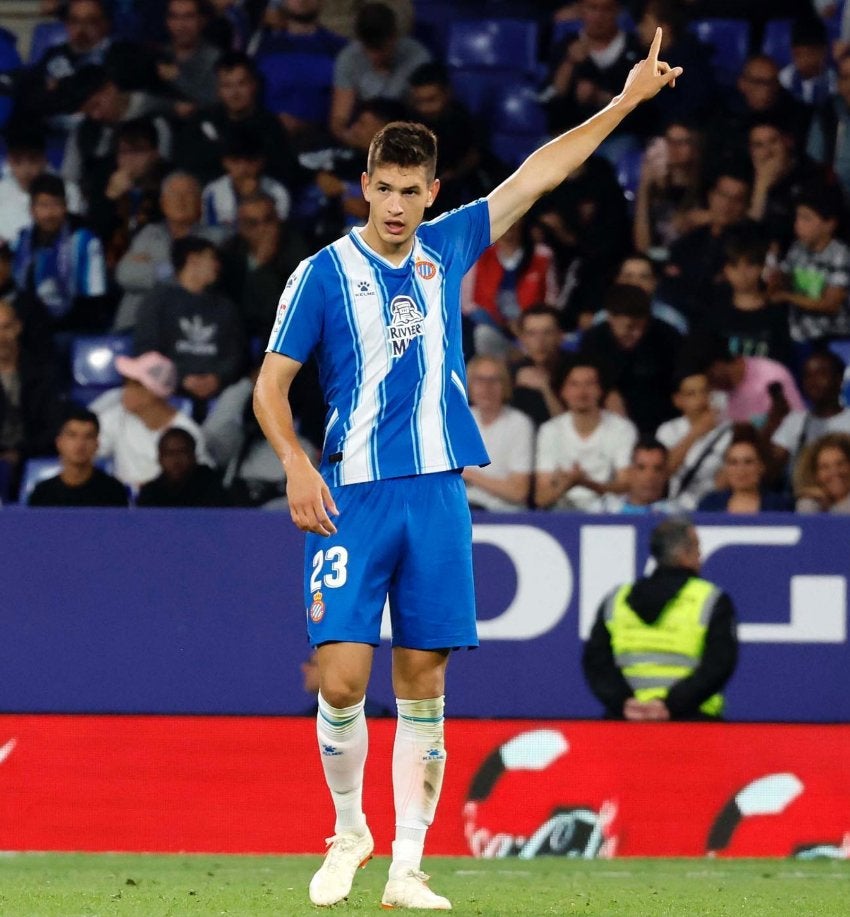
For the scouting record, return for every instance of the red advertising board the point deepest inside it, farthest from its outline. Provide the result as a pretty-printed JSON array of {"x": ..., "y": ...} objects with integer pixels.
[{"x": 513, "y": 788}]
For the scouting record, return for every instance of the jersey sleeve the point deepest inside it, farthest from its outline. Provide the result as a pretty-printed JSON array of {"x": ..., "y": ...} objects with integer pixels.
[
  {"x": 298, "y": 323},
  {"x": 466, "y": 229}
]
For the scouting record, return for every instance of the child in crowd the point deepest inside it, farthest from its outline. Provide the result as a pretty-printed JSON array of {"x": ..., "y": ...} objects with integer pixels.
[{"x": 809, "y": 77}]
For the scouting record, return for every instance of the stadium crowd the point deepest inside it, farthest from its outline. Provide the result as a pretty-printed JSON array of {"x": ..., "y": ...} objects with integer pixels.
[{"x": 667, "y": 330}]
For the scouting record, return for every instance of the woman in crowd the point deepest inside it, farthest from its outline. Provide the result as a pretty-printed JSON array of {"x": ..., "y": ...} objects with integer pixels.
[{"x": 822, "y": 476}]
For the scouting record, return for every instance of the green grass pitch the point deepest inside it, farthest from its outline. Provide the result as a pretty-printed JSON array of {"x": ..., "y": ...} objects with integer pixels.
[{"x": 117, "y": 885}]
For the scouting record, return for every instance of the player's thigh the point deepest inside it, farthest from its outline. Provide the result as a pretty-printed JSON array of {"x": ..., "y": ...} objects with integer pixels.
[
  {"x": 432, "y": 599},
  {"x": 347, "y": 574}
]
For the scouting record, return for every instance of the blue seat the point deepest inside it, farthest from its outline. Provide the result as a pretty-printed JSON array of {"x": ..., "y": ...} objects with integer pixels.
[
  {"x": 776, "y": 42},
  {"x": 519, "y": 123},
  {"x": 493, "y": 44},
  {"x": 729, "y": 40},
  {"x": 297, "y": 83},
  {"x": 44, "y": 36},
  {"x": 35, "y": 471},
  {"x": 478, "y": 88},
  {"x": 842, "y": 349},
  {"x": 93, "y": 359},
  {"x": 628, "y": 172}
]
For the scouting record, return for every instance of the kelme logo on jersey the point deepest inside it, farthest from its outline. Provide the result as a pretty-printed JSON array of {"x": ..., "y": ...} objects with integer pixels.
[
  {"x": 317, "y": 609},
  {"x": 406, "y": 324},
  {"x": 427, "y": 270}
]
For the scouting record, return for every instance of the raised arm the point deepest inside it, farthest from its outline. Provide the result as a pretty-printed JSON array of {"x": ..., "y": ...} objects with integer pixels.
[
  {"x": 548, "y": 166},
  {"x": 309, "y": 497}
]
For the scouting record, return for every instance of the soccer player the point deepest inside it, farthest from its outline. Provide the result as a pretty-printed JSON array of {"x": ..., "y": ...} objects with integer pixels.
[{"x": 381, "y": 308}]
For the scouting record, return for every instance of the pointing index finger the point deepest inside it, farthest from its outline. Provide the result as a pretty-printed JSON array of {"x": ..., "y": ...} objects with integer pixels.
[{"x": 655, "y": 47}]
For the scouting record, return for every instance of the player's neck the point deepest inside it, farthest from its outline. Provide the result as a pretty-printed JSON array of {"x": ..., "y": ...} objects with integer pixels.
[{"x": 395, "y": 253}]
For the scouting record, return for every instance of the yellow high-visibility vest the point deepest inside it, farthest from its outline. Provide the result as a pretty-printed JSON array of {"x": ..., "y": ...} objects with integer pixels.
[{"x": 653, "y": 657}]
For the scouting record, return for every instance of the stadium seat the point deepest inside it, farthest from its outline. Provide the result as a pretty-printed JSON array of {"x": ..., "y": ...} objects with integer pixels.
[
  {"x": 777, "y": 41},
  {"x": 493, "y": 44},
  {"x": 93, "y": 359},
  {"x": 730, "y": 43},
  {"x": 519, "y": 123},
  {"x": 298, "y": 84},
  {"x": 44, "y": 36},
  {"x": 36, "y": 470},
  {"x": 478, "y": 88},
  {"x": 842, "y": 348},
  {"x": 628, "y": 172}
]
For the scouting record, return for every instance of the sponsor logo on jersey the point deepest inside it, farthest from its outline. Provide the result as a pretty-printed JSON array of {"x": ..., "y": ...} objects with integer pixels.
[
  {"x": 406, "y": 324},
  {"x": 427, "y": 270},
  {"x": 364, "y": 288},
  {"x": 282, "y": 306},
  {"x": 317, "y": 609}
]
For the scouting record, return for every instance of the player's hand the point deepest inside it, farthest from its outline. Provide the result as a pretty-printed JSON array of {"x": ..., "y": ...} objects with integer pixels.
[
  {"x": 309, "y": 498},
  {"x": 649, "y": 76}
]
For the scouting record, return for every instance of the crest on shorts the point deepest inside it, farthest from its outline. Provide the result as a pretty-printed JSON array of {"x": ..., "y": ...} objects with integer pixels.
[
  {"x": 317, "y": 608},
  {"x": 406, "y": 324}
]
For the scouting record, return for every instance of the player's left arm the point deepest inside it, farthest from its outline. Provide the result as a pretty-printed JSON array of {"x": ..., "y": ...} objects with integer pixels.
[{"x": 548, "y": 166}]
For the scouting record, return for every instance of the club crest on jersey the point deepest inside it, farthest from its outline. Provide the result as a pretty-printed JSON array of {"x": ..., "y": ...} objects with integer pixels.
[
  {"x": 406, "y": 324},
  {"x": 427, "y": 270},
  {"x": 317, "y": 609}
]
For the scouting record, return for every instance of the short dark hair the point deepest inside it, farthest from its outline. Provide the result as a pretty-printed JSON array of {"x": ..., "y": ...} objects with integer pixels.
[
  {"x": 669, "y": 13},
  {"x": 583, "y": 362},
  {"x": 406, "y": 144},
  {"x": 177, "y": 433},
  {"x": 808, "y": 30},
  {"x": 138, "y": 132},
  {"x": 183, "y": 249},
  {"x": 648, "y": 443},
  {"x": 25, "y": 138},
  {"x": 750, "y": 246},
  {"x": 243, "y": 143},
  {"x": 385, "y": 110},
  {"x": 100, "y": 3},
  {"x": 88, "y": 80},
  {"x": 81, "y": 414},
  {"x": 430, "y": 73},
  {"x": 668, "y": 538},
  {"x": 230, "y": 60},
  {"x": 539, "y": 309},
  {"x": 47, "y": 183},
  {"x": 627, "y": 299},
  {"x": 375, "y": 25},
  {"x": 747, "y": 433},
  {"x": 823, "y": 351},
  {"x": 824, "y": 199}
]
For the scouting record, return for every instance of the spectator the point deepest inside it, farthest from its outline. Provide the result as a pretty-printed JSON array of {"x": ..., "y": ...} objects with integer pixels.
[
  {"x": 669, "y": 191},
  {"x": 258, "y": 261},
  {"x": 253, "y": 474},
  {"x": 28, "y": 399},
  {"x": 637, "y": 356},
  {"x": 60, "y": 263},
  {"x": 815, "y": 274},
  {"x": 292, "y": 27},
  {"x": 589, "y": 68},
  {"x": 647, "y": 483},
  {"x": 90, "y": 153},
  {"x": 584, "y": 452},
  {"x": 538, "y": 377},
  {"x": 780, "y": 176},
  {"x": 664, "y": 647},
  {"x": 130, "y": 199},
  {"x": 133, "y": 417},
  {"x": 200, "y": 141},
  {"x": 8, "y": 287},
  {"x": 378, "y": 63},
  {"x": 511, "y": 275},
  {"x": 335, "y": 201},
  {"x": 183, "y": 482},
  {"x": 505, "y": 484},
  {"x": 696, "y": 441},
  {"x": 148, "y": 260},
  {"x": 459, "y": 144},
  {"x": 744, "y": 469},
  {"x": 742, "y": 313},
  {"x": 26, "y": 159},
  {"x": 198, "y": 329},
  {"x": 821, "y": 380},
  {"x": 758, "y": 390},
  {"x": 639, "y": 270},
  {"x": 696, "y": 258},
  {"x": 822, "y": 476},
  {"x": 826, "y": 142},
  {"x": 244, "y": 165},
  {"x": 808, "y": 77},
  {"x": 187, "y": 62},
  {"x": 80, "y": 482}
]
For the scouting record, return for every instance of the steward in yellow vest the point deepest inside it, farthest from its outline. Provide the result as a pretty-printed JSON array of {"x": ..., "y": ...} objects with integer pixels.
[{"x": 664, "y": 647}]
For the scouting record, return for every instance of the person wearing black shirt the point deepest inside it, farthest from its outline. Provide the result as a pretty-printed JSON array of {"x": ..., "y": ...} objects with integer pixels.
[
  {"x": 79, "y": 483},
  {"x": 183, "y": 481}
]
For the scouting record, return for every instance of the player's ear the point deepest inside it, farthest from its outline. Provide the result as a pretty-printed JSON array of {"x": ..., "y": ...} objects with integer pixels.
[
  {"x": 364, "y": 184},
  {"x": 433, "y": 191}
]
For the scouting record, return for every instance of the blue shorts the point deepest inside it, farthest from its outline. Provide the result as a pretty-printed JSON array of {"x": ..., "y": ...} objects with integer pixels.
[{"x": 409, "y": 539}]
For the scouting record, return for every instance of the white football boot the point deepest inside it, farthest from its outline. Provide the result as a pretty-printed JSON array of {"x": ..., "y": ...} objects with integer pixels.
[
  {"x": 346, "y": 854},
  {"x": 411, "y": 891}
]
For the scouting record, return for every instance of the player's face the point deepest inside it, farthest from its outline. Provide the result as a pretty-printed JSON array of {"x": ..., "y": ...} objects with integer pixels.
[
  {"x": 77, "y": 442},
  {"x": 397, "y": 199},
  {"x": 832, "y": 471}
]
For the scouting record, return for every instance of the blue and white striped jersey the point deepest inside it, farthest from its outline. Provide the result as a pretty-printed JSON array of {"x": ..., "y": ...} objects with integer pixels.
[{"x": 388, "y": 343}]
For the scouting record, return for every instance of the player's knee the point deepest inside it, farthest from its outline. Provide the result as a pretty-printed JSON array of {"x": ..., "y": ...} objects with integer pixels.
[{"x": 340, "y": 693}]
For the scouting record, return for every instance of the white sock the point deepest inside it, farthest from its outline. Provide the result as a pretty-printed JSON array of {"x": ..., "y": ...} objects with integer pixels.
[
  {"x": 419, "y": 761},
  {"x": 343, "y": 743}
]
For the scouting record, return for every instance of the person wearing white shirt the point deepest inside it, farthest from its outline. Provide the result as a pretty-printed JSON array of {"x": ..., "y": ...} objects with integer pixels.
[
  {"x": 505, "y": 484},
  {"x": 585, "y": 452},
  {"x": 696, "y": 441}
]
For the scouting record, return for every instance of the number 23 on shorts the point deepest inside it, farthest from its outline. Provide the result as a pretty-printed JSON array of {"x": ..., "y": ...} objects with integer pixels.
[{"x": 336, "y": 560}]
